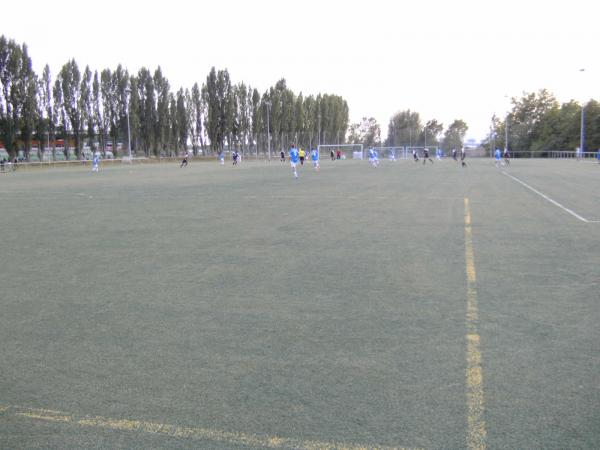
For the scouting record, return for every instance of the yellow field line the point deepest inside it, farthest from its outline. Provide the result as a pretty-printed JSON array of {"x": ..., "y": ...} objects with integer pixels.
[
  {"x": 476, "y": 432},
  {"x": 200, "y": 433}
]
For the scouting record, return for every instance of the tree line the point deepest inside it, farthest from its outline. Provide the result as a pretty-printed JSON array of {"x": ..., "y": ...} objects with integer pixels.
[
  {"x": 406, "y": 129},
  {"x": 97, "y": 110},
  {"x": 538, "y": 123}
]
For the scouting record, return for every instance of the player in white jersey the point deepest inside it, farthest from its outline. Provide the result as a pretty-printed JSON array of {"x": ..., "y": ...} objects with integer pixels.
[
  {"x": 415, "y": 155},
  {"x": 463, "y": 155}
]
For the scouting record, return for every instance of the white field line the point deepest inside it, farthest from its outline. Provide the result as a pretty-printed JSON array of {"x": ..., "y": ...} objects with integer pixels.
[
  {"x": 554, "y": 202},
  {"x": 200, "y": 433}
]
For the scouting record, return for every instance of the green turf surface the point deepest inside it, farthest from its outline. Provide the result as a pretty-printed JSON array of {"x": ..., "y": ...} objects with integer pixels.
[{"x": 331, "y": 308}]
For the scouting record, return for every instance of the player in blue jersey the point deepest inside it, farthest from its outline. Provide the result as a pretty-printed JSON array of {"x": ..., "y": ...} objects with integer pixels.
[
  {"x": 497, "y": 157},
  {"x": 96, "y": 162},
  {"x": 373, "y": 157},
  {"x": 294, "y": 158},
  {"x": 314, "y": 156},
  {"x": 598, "y": 156}
]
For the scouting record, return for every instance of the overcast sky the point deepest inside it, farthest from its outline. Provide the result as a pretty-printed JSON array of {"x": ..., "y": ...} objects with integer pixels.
[{"x": 444, "y": 59}]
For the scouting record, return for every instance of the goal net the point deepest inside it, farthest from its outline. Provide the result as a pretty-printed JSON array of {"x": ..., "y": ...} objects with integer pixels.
[
  {"x": 391, "y": 153},
  {"x": 341, "y": 151}
]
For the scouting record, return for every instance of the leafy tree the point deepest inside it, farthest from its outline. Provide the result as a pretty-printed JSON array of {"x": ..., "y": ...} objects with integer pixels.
[
  {"x": 455, "y": 135},
  {"x": 526, "y": 118},
  {"x": 70, "y": 86},
  {"x": 257, "y": 122},
  {"x": 213, "y": 117},
  {"x": 87, "y": 106},
  {"x": 198, "y": 112},
  {"x": 367, "y": 132},
  {"x": 46, "y": 100},
  {"x": 146, "y": 111},
  {"x": 182, "y": 119},
  {"x": 404, "y": 129},
  {"x": 161, "y": 128},
  {"x": 61, "y": 114},
  {"x": 14, "y": 77},
  {"x": 431, "y": 133}
]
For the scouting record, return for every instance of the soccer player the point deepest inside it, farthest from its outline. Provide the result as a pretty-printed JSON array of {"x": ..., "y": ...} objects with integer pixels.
[
  {"x": 506, "y": 156},
  {"x": 426, "y": 156},
  {"x": 222, "y": 158},
  {"x": 302, "y": 154},
  {"x": 415, "y": 155},
  {"x": 497, "y": 157},
  {"x": 463, "y": 155},
  {"x": 598, "y": 156},
  {"x": 392, "y": 155},
  {"x": 282, "y": 156},
  {"x": 294, "y": 156},
  {"x": 96, "y": 162},
  {"x": 454, "y": 154},
  {"x": 373, "y": 160},
  {"x": 184, "y": 163},
  {"x": 332, "y": 155},
  {"x": 235, "y": 155},
  {"x": 314, "y": 155}
]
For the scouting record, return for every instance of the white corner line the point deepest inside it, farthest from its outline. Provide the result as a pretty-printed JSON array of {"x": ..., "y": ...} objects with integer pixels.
[{"x": 554, "y": 202}]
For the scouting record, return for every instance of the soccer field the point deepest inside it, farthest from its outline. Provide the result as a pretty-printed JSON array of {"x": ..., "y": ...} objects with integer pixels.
[{"x": 408, "y": 306}]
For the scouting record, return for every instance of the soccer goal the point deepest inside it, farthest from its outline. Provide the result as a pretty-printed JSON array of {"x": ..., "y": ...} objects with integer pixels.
[
  {"x": 391, "y": 153},
  {"x": 341, "y": 151}
]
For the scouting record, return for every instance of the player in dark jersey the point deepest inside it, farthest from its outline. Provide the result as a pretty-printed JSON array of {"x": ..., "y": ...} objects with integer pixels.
[
  {"x": 184, "y": 163},
  {"x": 426, "y": 156},
  {"x": 506, "y": 157},
  {"x": 463, "y": 155}
]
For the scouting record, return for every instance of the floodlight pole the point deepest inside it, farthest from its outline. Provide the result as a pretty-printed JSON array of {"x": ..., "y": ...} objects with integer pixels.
[
  {"x": 582, "y": 128},
  {"x": 128, "y": 135},
  {"x": 506, "y": 129},
  {"x": 128, "y": 92},
  {"x": 268, "y": 104}
]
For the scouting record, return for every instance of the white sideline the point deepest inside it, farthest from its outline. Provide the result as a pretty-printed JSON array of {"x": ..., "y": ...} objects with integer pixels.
[{"x": 574, "y": 214}]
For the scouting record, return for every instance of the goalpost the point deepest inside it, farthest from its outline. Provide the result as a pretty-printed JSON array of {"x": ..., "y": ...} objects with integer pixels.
[
  {"x": 345, "y": 150},
  {"x": 391, "y": 153}
]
